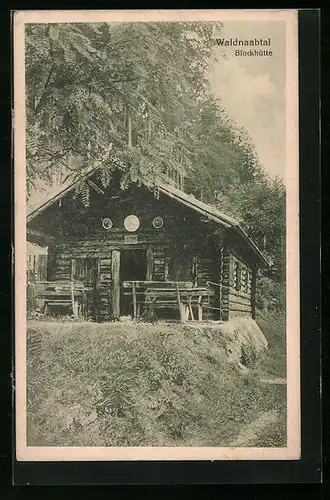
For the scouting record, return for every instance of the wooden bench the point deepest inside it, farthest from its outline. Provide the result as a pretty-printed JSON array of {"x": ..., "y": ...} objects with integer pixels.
[
  {"x": 181, "y": 296},
  {"x": 137, "y": 290},
  {"x": 67, "y": 294}
]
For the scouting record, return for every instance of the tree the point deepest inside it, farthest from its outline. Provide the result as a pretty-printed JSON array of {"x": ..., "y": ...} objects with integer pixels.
[
  {"x": 223, "y": 154},
  {"x": 229, "y": 174},
  {"x": 92, "y": 85}
]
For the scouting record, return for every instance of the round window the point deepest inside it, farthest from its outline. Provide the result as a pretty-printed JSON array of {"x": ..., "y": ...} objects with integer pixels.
[
  {"x": 158, "y": 222},
  {"x": 131, "y": 223},
  {"x": 107, "y": 223}
]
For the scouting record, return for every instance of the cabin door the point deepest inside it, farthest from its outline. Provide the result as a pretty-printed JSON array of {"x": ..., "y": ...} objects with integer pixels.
[
  {"x": 133, "y": 267},
  {"x": 87, "y": 270}
]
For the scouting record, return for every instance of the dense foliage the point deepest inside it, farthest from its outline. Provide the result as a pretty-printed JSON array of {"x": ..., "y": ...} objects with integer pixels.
[
  {"x": 88, "y": 84},
  {"x": 95, "y": 89}
]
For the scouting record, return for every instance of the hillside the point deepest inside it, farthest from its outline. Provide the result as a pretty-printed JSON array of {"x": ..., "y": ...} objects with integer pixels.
[{"x": 159, "y": 385}]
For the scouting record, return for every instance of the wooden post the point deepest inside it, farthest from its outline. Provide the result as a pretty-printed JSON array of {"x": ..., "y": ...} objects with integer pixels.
[
  {"x": 200, "y": 308},
  {"x": 150, "y": 264},
  {"x": 74, "y": 311},
  {"x": 191, "y": 311},
  {"x": 134, "y": 299},
  {"x": 253, "y": 291},
  {"x": 83, "y": 303},
  {"x": 73, "y": 269},
  {"x": 115, "y": 271},
  {"x": 181, "y": 306}
]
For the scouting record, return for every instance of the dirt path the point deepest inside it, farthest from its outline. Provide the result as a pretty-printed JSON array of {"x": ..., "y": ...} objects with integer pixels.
[
  {"x": 275, "y": 380},
  {"x": 249, "y": 435}
]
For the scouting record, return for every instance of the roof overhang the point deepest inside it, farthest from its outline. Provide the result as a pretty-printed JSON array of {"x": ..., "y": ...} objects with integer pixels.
[{"x": 185, "y": 199}]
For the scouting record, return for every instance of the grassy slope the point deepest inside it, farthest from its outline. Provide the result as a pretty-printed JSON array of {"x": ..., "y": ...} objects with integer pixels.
[{"x": 158, "y": 385}]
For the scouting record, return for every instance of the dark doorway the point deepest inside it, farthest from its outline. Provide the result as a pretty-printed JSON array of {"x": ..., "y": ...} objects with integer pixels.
[{"x": 133, "y": 267}]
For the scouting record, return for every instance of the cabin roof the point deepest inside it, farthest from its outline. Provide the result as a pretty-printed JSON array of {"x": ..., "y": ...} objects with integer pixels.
[
  {"x": 188, "y": 200},
  {"x": 213, "y": 214}
]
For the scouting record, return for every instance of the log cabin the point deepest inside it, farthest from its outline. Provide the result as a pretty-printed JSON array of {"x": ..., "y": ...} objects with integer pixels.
[{"x": 152, "y": 234}]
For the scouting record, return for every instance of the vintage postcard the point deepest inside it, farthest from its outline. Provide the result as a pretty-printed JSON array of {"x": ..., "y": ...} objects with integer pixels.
[{"x": 156, "y": 235}]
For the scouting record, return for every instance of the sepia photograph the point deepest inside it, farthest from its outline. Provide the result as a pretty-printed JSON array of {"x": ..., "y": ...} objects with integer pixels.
[{"x": 156, "y": 235}]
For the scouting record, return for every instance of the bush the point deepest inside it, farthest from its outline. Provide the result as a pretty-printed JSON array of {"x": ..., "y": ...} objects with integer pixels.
[
  {"x": 270, "y": 295},
  {"x": 273, "y": 326}
]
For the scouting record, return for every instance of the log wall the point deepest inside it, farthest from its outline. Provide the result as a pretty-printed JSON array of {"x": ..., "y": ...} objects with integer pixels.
[
  {"x": 239, "y": 290},
  {"x": 167, "y": 263}
]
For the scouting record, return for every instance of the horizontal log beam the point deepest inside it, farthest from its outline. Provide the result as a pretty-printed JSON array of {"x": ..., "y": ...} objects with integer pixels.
[
  {"x": 236, "y": 293},
  {"x": 240, "y": 308},
  {"x": 233, "y": 299}
]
